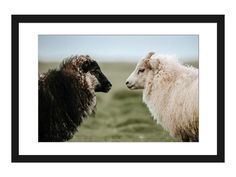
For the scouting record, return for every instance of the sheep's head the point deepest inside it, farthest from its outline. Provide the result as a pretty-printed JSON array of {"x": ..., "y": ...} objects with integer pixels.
[
  {"x": 85, "y": 65},
  {"x": 137, "y": 78}
]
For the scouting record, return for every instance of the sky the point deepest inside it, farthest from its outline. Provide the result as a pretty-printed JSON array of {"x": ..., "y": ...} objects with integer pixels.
[{"x": 116, "y": 48}]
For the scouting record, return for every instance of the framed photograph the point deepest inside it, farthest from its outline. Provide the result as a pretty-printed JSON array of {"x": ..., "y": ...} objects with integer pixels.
[{"x": 118, "y": 88}]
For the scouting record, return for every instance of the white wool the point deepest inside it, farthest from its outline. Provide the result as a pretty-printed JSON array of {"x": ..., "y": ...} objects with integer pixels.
[
  {"x": 171, "y": 94},
  {"x": 91, "y": 81}
]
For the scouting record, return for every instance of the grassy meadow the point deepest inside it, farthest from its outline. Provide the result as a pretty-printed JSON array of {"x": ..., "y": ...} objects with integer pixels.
[{"x": 121, "y": 116}]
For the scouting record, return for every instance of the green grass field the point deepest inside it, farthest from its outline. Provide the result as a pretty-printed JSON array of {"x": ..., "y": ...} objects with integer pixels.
[{"x": 121, "y": 116}]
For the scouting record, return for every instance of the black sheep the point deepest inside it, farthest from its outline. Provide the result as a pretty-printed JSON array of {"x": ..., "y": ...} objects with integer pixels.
[{"x": 67, "y": 96}]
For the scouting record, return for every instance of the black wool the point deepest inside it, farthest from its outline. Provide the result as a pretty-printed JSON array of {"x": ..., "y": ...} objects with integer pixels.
[{"x": 64, "y": 100}]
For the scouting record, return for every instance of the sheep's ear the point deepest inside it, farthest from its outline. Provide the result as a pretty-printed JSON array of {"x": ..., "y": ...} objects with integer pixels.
[
  {"x": 148, "y": 60},
  {"x": 149, "y": 55},
  {"x": 88, "y": 57}
]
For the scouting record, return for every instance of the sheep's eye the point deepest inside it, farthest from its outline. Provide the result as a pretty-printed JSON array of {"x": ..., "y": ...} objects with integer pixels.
[
  {"x": 141, "y": 70},
  {"x": 94, "y": 70}
]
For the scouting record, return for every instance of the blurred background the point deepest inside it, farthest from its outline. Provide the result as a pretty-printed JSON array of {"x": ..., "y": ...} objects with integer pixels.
[{"x": 121, "y": 115}]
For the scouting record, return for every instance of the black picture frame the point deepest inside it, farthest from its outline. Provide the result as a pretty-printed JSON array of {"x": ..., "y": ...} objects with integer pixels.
[{"x": 218, "y": 19}]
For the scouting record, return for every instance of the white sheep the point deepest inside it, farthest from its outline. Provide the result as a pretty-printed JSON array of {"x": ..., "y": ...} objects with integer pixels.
[{"x": 171, "y": 94}]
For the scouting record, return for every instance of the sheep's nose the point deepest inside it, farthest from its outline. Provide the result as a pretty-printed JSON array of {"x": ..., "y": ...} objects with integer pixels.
[
  {"x": 127, "y": 82},
  {"x": 109, "y": 84}
]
